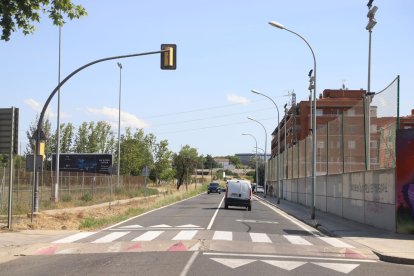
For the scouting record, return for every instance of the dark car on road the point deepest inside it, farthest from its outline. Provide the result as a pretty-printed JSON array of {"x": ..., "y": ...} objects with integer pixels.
[{"x": 214, "y": 188}]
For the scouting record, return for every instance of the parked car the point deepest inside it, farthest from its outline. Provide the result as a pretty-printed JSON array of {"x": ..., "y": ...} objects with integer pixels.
[
  {"x": 214, "y": 188},
  {"x": 238, "y": 193},
  {"x": 254, "y": 187},
  {"x": 259, "y": 189}
]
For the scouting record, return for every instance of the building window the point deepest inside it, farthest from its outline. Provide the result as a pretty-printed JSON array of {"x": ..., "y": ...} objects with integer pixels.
[
  {"x": 350, "y": 112},
  {"x": 351, "y": 129},
  {"x": 319, "y": 112},
  {"x": 374, "y": 144},
  {"x": 321, "y": 144},
  {"x": 351, "y": 144},
  {"x": 408, "y": 127},
  {"x": 373, "y": 129}
]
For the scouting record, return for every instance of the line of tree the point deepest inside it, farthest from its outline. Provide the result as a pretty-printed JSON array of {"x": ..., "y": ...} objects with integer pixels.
[{"x": 138, "y": 150}]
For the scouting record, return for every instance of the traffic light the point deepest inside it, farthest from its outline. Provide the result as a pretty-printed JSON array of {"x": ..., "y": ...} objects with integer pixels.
[{"x": 169, "y": 57}]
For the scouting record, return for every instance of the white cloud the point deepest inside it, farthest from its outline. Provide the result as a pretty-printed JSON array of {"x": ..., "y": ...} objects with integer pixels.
[
  {"x": 111, "y": 114},
  {"x": 37, "y": 107},
  {"x": 237, "y": 99}
]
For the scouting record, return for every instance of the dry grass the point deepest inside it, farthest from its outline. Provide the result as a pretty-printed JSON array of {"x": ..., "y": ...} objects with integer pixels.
[{"x": 98, "y": 217}]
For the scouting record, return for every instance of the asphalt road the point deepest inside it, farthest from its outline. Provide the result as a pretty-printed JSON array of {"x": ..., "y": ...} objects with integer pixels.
[{"x": 199, "y": 237}]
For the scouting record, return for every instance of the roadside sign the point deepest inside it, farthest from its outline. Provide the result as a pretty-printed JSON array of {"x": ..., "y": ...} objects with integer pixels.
[
  {"x": 29, "y": 163},
  {"x": 146, "y": 171},
  {"x": 9, "y": 130}
]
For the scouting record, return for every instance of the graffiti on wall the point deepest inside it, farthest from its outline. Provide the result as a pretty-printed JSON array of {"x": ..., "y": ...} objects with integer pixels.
[{"x": 405, "y": 181}]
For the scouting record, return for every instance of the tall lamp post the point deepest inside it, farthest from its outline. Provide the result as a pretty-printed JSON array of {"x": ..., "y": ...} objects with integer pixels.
[
  {"x": 371, "y": 23},
  {"x": 280, "y": 26},
  {"x": 55, "y": 195},
  {"x": 119, "y": 122},
  {"x": 265, "y": 152},
  {"x": 278, "y": 143},
  {"x": 257, "y": 171}
]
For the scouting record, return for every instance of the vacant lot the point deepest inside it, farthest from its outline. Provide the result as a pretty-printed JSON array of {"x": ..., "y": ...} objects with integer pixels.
[{"x": 99, "y": 216}]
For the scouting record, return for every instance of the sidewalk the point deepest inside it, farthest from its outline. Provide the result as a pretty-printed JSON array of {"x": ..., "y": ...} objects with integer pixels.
[{"x": 388, "y": 246}]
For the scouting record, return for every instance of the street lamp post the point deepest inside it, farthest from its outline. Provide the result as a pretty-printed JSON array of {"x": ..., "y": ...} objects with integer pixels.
[
  {"x": 280, "y": 26},
  {"x": 371, "y": 23},
  {"x": 55, "y": 194},
  {"x": 278, "y": 143},
  {"x": 265, "y": 157},
  {"x": 37, "y": 136},
  {"x": 119, "y": 121},
  {"x": 257, "y": 171}
]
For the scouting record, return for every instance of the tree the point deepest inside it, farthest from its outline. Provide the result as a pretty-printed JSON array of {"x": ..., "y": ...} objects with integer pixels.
[
  {"x": 81, "y": 139},
  {"x": 235, "y": 160},
  {"x": 184, "y": 163},
  {"x": 135, "y": 152},
  {"x": 210, "y": 163},
  {"x": 66, "y": 138},
  {"x": 162, "y": 156},
  {"x": 21, "y": 14}
]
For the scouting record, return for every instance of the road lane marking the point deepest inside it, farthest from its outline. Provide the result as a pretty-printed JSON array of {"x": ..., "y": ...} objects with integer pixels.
[
  {"x": 188, "y": 226},
  {"x": 344, "y": 268},
  {"x": 257, "y": 221},
  {"x": 189, "y": 263},
  {"x": 286, "y": 265},
  {"x": 287, "y": 257},
  {"x": 131, "y": 226},
  {"x": 223, "y": 235},
  {"x": 296, "y": 240},
  {"x": 148, "y": 236},
  {"x": 119, "y": 223},
  {"x": 233, "y": 263},
  {"x": 291, "y": 219},
  {"x": 214, "y": 216},
  {"x": 75, "y": 237},
  {"x": 160, "y": 226},
  {"x": 111, "y": 237},
  {"x": 185, "y": 235},
  {"x": 260, "y": 237},
  {"x": 335, "y": 242}
]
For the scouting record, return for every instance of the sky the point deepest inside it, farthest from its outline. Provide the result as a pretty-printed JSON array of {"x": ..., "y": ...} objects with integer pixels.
[{"x": 224, "y": 49}]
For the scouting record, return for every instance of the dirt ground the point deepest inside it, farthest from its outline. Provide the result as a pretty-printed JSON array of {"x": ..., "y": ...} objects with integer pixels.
[{"x": 71, "y": 219}]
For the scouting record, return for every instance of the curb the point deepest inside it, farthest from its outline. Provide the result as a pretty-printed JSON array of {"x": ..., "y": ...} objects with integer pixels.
[
  {"x": 319, "y": 227},
  {"x": 393, "y": 259}
]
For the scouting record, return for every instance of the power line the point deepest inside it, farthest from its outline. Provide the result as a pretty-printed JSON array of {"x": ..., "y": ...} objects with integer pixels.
[
  {"x": 216, "y": 126},
  {"x": 207, "y": 118}
]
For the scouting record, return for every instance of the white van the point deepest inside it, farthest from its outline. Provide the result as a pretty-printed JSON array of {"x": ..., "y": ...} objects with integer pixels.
[{"x": 238, "y": 193}]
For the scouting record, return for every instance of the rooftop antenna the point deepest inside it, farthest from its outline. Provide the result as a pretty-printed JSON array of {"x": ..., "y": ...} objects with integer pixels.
[{"x": 343, "y": 85}]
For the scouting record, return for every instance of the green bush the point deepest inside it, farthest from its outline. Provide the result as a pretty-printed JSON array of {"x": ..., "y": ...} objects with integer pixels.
[
  {"x": 86, "y": 197},
  {"x": 119, "y": 190},
  {"x": 66, "y": 198}
]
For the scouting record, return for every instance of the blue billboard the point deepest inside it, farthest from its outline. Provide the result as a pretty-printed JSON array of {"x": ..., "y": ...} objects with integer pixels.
[{"x": 91, "y": 163}]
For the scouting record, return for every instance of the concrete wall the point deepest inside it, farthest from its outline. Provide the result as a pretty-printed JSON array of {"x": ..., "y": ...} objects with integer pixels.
[{"x": 366, "y": 197}]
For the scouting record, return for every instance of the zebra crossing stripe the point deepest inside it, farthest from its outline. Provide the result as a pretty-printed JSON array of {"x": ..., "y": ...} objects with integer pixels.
[
  {"x": 223, "y": 235},
  {"x": 260, "y": 237},
  {"x": 335, "y": 242},
  {"x": 75, "y": 237},
  {"x": 148, "y": 236},
  {"x": 111, "y": 237},
  {"x": 185, "y": 235},
  {"x": 296, "y": 240}
]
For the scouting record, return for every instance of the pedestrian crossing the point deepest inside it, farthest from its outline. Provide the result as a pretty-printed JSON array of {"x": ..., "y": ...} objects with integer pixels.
[{"x": 186, "y": 235}]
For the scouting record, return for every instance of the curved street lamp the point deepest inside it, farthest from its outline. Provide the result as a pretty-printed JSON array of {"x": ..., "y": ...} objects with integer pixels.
[
  {"x": 251, "y": 135},
  {"x": 278, "y": 143},
  {"x": 265, "y": 172},
  {"x": 280, "y": 26}
]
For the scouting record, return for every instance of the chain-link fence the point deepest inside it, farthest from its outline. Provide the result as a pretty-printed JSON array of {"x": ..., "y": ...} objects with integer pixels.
[
  {"x": 355, "y": 133},
  {"x": 74, "y": 188}
]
